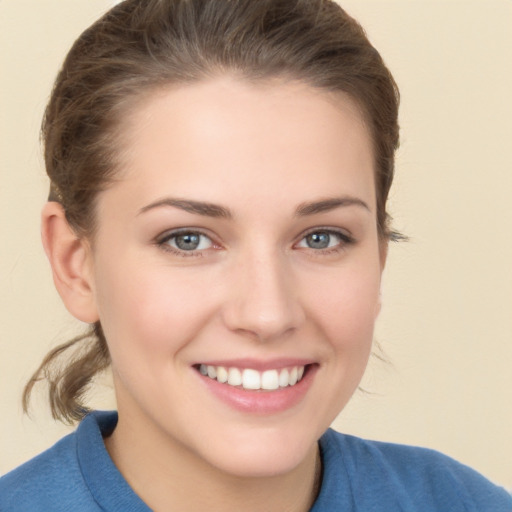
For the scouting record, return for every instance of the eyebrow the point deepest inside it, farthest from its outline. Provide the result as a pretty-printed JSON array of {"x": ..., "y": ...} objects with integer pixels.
[
  {"x": 326, "y": 205},
  {"x": 196, "y": 207},
  {"x": 217, "y": 211}
]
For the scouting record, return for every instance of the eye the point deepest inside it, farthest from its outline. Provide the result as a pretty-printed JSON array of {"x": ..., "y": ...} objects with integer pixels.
[
  {"x": 325, "y": 239},
  {"x": 185, "y": 242}
]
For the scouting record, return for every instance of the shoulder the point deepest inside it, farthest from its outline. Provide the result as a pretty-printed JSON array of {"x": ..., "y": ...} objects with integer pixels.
[
  {"x": 53, "y": 480},
  {"x": 33, "y": 486},
  {"x": 390, "y": 476}
]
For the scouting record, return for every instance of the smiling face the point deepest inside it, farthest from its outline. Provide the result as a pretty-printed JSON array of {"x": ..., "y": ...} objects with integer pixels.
[{"x": 239, "y": 251}]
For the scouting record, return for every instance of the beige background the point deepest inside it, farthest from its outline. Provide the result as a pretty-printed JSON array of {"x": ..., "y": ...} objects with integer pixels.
[{"x": 446, "y": 325}]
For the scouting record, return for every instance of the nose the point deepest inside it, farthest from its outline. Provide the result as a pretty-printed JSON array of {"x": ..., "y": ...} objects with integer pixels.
[{"x": 263, "y": 301}]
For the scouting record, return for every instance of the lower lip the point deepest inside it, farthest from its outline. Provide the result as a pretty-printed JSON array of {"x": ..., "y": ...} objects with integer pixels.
[{"x": 261, "y": 401}]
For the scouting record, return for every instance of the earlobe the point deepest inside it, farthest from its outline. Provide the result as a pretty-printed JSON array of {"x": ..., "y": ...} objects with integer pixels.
[{"x": 71, "y": 263}]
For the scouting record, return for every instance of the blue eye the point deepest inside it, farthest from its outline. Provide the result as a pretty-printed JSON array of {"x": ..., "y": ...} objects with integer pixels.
[
  {"x": 324, "y": 239},
  {"x": 319, "y": 240},
  {"x": 186, "y": 241}
]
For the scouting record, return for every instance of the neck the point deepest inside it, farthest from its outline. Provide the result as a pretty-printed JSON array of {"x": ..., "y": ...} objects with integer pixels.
[{"x": 167, "y": 476}]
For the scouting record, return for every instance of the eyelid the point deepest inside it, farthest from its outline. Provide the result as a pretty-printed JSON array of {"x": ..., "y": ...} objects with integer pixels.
[
  {"x": 345, "y": 238},
  {"x": 343, "y": 233},
  {"x": 162, "y": 239},
  {"x": 166, "y": 235}
]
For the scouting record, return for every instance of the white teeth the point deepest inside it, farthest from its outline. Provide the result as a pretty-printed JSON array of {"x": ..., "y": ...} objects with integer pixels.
[
  {"x": 284, "y": 378},
  {"x": 252, "y": 379},
  {"x": 222, "y": 374},
  {"x": 270, "y": 379},
  {"x": 293, "y": 376},
  {"x": 234, "y": 377}
]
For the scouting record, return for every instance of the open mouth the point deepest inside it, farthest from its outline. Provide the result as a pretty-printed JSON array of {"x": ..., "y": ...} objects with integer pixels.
[{"x": 250, "y": 379}]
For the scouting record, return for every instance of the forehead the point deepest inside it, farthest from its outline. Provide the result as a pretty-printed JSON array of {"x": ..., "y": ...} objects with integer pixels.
[{"x": 234, "y": 138}]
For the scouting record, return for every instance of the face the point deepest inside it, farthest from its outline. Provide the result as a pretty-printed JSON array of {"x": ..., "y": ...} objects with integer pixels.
[{"x": 236, "y": 269}]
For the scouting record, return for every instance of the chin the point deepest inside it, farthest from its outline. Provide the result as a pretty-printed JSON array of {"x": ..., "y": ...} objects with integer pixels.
[{"x": 261, "y": 452}]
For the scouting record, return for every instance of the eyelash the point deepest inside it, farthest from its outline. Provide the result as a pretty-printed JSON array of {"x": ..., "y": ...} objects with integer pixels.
[
  {"x": 163, "y": 242},
  {"x": 344, "y": 241}
]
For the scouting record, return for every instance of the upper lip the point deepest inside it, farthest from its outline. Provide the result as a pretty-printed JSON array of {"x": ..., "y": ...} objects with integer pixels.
[{"x": 258, "y": 364}]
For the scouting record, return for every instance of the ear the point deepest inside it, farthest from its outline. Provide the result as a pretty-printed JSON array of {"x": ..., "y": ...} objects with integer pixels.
[{"x": 71, "y": 261}]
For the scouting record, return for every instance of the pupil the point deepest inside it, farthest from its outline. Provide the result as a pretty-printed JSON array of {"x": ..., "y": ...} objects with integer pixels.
[
  {"x": 187, "y": 242},
  {"x": 318, "y": 240}
]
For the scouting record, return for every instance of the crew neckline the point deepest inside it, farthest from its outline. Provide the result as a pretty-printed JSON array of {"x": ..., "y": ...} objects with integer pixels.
[
  {"x": 112, "y": 492},
  {"x": 105, "y": 482}
]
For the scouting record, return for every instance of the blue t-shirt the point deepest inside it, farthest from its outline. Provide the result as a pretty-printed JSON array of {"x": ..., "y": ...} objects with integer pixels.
[{"x": 77, "y": 475}]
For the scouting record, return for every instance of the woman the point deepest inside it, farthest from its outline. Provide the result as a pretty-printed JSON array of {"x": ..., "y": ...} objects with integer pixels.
[{"x": 219, "y": 176}]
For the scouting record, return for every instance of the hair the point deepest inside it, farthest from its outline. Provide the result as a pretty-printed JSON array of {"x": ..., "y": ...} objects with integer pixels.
[{"x": 140, "y": 46}]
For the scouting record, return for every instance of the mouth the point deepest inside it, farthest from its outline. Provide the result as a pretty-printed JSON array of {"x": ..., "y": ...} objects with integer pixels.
[
  {"x": 253, "y": 380},
  {"x": 258, "y": 387}
]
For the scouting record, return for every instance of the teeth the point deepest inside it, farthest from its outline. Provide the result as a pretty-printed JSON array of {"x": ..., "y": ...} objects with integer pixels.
[
  {"x": 234, "y": 377},
  {"x": 293, "y": 376},
  {"x": 270, "y": 379},
  {"x": 222, "y": 374},
  {"x": 284, "y": 378},
  {"x": 253, "y": 379}
]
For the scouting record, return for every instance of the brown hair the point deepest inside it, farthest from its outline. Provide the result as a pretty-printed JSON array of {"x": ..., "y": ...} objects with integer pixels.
[{"x": 142, "y": 45}]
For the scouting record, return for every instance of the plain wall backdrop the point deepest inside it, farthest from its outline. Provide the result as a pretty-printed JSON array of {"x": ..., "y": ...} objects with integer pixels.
[{"x": 446, "y": 324}]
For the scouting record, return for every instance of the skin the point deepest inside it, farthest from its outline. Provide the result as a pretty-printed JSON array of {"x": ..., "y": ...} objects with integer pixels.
[{"x": 255, "y": 288}]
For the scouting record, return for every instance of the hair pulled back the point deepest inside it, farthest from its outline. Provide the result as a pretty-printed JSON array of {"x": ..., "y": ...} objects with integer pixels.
[{"x": 143, "y": 45}]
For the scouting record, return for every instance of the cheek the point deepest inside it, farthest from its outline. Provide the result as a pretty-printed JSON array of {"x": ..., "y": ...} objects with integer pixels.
[
  {"x": 348, "y": 307},
  {"x": 151, "y": 313}
]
